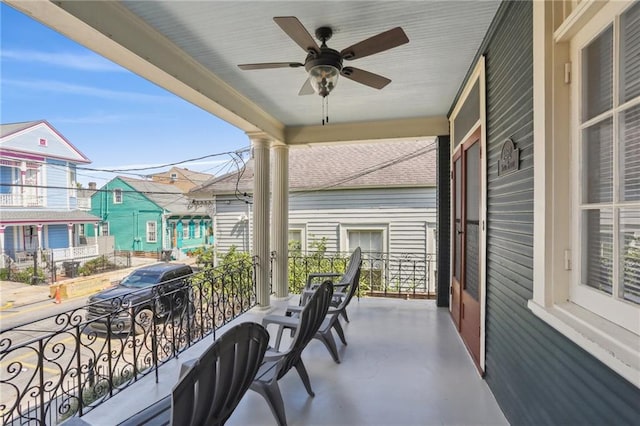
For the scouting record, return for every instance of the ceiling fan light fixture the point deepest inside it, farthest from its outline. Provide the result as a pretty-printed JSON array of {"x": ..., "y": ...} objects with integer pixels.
[{"x": 323, "y": 78}]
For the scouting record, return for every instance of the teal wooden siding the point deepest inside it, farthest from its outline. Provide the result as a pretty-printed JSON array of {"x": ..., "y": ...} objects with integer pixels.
[
  {"x": 127, "y": 220},
  {"x": 537, "y": 375}
]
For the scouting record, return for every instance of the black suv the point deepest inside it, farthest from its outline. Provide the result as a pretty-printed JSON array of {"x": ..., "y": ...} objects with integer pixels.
[{"x": 159, "y": 290}]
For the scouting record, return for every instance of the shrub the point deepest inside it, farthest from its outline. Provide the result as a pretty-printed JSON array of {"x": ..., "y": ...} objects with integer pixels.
[
  {"x": 94, "y": 266},
  {"x": 27, "y": 276}
]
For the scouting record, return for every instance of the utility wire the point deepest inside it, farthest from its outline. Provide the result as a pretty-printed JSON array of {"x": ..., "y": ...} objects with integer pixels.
[{"x": 160, "y": 166}]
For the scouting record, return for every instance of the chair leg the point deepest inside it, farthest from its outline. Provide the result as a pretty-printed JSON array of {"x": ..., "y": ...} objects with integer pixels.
[
  {"x": 302, "y": 372},
  {"x": 271, "y": 393},
  {"x": 279, "y": 337},
  {"x": 327, "y": 338},
  {"x": 338, "y": 328},
  {"x": 344, "y": 315}
]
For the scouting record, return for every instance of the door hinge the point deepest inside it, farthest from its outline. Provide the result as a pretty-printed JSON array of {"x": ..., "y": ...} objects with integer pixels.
[{"x": 567, "y": 73}]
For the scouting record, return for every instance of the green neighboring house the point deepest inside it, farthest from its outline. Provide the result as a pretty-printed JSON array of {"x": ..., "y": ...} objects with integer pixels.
[{"x": 148, "y": 216}]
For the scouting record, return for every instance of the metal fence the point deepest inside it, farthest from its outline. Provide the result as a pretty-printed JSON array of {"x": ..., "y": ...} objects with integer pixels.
[
  {"x": 382, "y": 274},
  {"x": 80, "y": 358},
  {"x": 46, "y": 267}
]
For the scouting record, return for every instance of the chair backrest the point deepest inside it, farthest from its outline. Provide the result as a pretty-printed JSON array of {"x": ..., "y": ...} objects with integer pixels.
[
  {"x": 355, "y": 260},
  {"x": 311, "y": 318},
  {"x": 212, "y": 388},
  {"x": 353, "y": 287}
]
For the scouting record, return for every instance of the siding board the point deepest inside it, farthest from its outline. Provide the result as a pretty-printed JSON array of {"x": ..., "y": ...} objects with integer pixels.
[{"x": 537, "y": 375}]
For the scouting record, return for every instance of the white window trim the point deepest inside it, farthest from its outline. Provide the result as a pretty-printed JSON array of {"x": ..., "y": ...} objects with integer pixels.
[
  {"x": 155, "y": 234},
  {"x": 102, "y": 229},
  {"x": 302, "y": 228},
  {"x": 363, "y": 226},
  {"x": 185, "y": 230},
  {"x": 116, "y": 190},
  {"x": 197, "y": 229},
  {"x": 553, "y": 271}
]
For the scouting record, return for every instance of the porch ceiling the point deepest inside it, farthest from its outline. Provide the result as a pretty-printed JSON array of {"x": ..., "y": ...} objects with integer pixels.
[{"x": 192, "y": 49}]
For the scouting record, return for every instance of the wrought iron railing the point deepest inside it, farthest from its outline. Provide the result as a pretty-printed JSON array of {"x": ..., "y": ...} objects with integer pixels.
[
  {"x": 382, "y": 274},
  {"x": 70, "y": 363}
]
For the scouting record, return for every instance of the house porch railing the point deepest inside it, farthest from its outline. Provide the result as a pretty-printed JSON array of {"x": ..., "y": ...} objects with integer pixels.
[
  {"x": 382, "y": 274},
  {"x": 71, "y": 253},
  {"x": 68, "y": 364},
  {"x": 21, "y": 200}
]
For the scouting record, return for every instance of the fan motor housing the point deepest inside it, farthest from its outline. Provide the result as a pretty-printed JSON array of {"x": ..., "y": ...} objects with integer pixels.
[{"x": 327, "y": 56}]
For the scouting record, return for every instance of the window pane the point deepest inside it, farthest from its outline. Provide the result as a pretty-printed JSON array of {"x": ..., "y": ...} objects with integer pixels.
[
  {"x": 630, "y": 154},
  {"x": 295, "y": 241},
  {"x": 630, "y": 53},
  {"x": 597, "y": 163},
  {"x": 630, "y": 254},
  {"x": 597, "y": 269},
  {"x": 597, "y": 75}
]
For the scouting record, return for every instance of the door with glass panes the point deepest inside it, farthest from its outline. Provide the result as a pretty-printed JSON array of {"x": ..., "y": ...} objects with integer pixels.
[{"x": 465, "y": 280}]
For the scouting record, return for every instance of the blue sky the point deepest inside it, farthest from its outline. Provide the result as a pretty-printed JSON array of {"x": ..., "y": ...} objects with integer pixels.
[{"x": 113, "y": 116}]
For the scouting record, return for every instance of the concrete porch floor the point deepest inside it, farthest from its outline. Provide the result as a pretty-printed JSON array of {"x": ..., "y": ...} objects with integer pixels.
[{"x": 404, "y": 365}]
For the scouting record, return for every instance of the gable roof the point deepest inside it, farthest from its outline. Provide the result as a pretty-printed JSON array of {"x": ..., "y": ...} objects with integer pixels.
[
  {"x": 342, "y": 166},
  {"x": 197, "y": 178},
  {"x": 66, "y": 150},
  {"x": 7, "y": 129},
  {"x": 164, "y": 195}
]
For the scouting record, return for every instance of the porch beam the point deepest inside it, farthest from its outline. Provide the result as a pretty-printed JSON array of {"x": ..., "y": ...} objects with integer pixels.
[
  {"x": 260, "y": 143},
  {"x": 280, "y": 216},
  {"x": 368, "y": 131}
]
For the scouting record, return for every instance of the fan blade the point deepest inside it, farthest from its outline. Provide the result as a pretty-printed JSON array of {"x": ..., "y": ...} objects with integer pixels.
[
  {"x": 266, "y": 65},
  {"x": 298, "y": 33},
  {"x": 376, "y": 44},
  {"x": 365, "y": 77},
  {"x": 306, "y": 89}
]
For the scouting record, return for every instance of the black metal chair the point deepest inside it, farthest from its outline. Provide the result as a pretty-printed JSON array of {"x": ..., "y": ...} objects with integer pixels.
[
  {"x": 212, "y": 385},
  {"x": 277, "y": 364}
]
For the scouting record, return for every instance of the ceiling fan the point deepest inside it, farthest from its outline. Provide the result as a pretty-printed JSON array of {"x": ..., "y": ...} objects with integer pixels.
[{"x": 324, "y": 64}]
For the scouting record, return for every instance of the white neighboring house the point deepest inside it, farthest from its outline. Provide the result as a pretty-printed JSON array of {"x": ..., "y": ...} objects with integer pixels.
[{"x": 380, "y": 196}]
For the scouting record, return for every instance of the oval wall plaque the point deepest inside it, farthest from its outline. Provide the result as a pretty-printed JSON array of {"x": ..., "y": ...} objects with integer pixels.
[{"x": 509, "y": 161}]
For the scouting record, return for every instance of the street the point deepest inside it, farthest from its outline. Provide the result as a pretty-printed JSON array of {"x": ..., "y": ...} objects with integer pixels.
[{"x": 47, "y": 353}]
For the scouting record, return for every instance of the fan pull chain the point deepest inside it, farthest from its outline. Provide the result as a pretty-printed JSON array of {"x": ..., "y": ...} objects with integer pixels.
[{"x": 327, "y": 98}]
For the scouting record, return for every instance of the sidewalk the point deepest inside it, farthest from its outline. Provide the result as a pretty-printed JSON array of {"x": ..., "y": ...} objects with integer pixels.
[{"x": 13, "y": 294}]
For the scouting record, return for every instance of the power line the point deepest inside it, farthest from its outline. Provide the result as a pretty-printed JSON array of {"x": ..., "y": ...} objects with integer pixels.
[
  {"x": 160, "y": 166},
  {"x": 95, "y": 190}
]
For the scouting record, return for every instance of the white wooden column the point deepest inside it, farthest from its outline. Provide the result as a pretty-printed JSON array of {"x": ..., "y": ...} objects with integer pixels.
[
  {"x": 2, "y": 228},
  {"x": 39, "y": 228},
  {"x": 280, "y": 219},
  {"x": 260, "y": 144},
  {"x": 70, "y": 234},
  {"x": 95, "y": 234}
]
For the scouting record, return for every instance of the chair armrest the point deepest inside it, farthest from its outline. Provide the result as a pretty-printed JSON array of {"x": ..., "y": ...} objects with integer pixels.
[
  {"x": 280, "y": 320},
  {"x": 158, "y": 413},
  {"x": 315, "y": 275},
  {"x": 323, "y": 275},
  {"x": 293, "y": 310},
  {"x": 186, "y": 366},
  {"x": 272, "y": 355}
]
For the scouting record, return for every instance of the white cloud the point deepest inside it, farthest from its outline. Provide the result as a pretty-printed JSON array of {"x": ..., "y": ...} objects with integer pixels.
[
  {"x": 76, "y": 89},
  {"x": 79, "y": 61}
]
